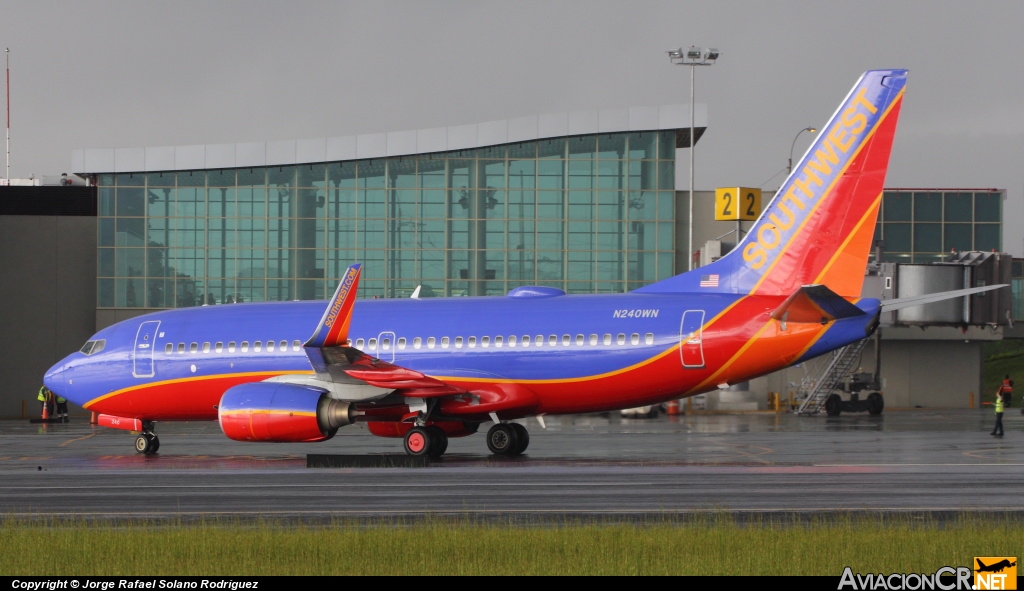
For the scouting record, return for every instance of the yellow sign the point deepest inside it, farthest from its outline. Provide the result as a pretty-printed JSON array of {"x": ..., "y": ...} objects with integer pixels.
[{"x": 737, "y": 203}]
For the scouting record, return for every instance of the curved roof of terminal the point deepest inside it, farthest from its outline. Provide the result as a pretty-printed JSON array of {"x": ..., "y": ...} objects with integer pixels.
[{"x": 395, "y": 143}]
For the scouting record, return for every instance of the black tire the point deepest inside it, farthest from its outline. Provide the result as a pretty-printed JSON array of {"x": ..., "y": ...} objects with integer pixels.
[
  {"x": 154, "y": 445},
  {"x": 502, "y": 440},
  {"x": 833, "y": 405},
  {"x": 438, "y": 441},
  {"x": 417, "y": 442},
  {"x": 523, "y": 437},
  {"x": 875, "y": 403}
]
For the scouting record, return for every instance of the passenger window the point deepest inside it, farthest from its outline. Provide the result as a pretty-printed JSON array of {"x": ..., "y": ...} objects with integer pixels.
[
  {"x": 458, "y": 342},
  {"x": 634, "y": 339},
  {"x": 373, "y": 344},
  {"x": 579, "y": 340},
  {"x": 169, "y": 348},
  {"x": 430, "y": 343},
  {"x": 296, "y": 345},
  {"x": 231, "y": 346},
  {"x": 444, "y": 342},
  {"x": 245, "y": 346},
  {"x": 621, "y": 339},
  {"x": 385, "y": 344},
  {"x": 649, "y": 338},
  {"x": 359, "y": 343},
  {"x": 472, "y": 342},
  {"x": 497, "y": 341},
  {"x": 206, "y": 347},
  {"x": 512, "y": 341},
  {"x": 526, "y": 340},
  {"x": 539, "y": 340},
  {"x": 193, "y": 348},
  {"x": 257, "y": 346},
  {"x": 219, "y": 347},
  {"x": 284, "y": 346},
  {"x": 566, "y": 339},
  {"x": 553, "y": 340},
  {"x": 270, "y": 346},
  {"x": 607, "y": 339},
  {"x": 485, "y": 342},
  {"x": 181, "y": 348},
  {"x": 417, "y": 343}
]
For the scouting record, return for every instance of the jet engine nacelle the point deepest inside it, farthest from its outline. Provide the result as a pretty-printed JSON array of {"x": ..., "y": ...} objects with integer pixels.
[{"x": 286, "y": 413}]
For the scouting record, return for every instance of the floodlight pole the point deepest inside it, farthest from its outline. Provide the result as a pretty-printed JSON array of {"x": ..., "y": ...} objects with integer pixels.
[
  {"x": 7, "y": 54},
  {"x": 693, "y": 57},
  {"x": 789, "y": 167}
]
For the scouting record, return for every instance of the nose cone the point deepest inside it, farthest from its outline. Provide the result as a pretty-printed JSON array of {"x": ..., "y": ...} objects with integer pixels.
[{"x": 54, "y": 380}]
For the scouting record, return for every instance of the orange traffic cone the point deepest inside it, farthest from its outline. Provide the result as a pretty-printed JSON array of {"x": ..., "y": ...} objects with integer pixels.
[
  {"x": 672, "y": 407},
  {"x": 46, "y": 412}
]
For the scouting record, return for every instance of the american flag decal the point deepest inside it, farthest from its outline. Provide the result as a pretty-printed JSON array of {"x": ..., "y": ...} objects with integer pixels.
[{"x": 709, "y": 280}]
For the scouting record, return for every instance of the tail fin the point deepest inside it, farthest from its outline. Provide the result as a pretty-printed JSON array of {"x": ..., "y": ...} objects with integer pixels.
[{"x": 819, "y": 226}]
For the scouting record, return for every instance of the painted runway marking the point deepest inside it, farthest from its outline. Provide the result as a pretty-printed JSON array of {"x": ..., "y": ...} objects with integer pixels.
[{"x": 69, "y": 441}]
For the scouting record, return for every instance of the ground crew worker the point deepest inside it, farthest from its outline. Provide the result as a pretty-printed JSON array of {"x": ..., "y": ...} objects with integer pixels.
[
  {"x": 62, "y": 408},
  {"x": 1007, "y": 389},
  {"x": 45, "y": 397},
  {"x": 998, "y": 430}
]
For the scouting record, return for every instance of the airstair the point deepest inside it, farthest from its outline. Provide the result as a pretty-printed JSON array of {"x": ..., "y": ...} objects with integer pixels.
[{"x": 816, "y": 389}]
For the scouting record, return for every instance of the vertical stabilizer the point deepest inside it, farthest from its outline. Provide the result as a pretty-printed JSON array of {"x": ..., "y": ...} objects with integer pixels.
[{"x": 819, "y": 226}]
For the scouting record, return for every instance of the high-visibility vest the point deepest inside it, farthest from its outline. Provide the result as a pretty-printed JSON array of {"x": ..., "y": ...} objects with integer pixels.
[
  {"x": 999, "y": 404},
  {"x": 41, "y": 397},
  {"x": 1007, "y": 386}
]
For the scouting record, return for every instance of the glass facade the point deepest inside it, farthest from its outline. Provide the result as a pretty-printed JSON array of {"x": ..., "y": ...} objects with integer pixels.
[
  {"x": 924, "y": 226},
  {"x": 591, "y": 213}
]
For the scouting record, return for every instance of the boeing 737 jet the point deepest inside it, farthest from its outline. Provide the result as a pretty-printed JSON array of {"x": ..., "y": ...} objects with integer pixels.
[{"x": 427, "y": 369}]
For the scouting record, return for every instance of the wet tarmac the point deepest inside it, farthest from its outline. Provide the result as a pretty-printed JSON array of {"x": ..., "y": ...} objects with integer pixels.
[{"x": 921, "y": 462}]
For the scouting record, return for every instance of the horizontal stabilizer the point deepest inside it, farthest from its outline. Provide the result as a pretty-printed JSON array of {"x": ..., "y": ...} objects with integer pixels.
[
  {"x": 911, "y": 301},
  {"x": 815, "y": 304}
]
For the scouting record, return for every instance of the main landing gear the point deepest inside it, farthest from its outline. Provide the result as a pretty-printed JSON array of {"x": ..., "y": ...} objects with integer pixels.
[
  {"x": 508, "y": 439},
  {"x": 503, "y": 439},
  {"x": 429, "y": 440},
  {"x": 147, "y": 442}
]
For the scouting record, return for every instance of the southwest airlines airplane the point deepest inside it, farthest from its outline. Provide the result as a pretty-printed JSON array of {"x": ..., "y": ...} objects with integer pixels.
[{"x": 434, "y": 368}]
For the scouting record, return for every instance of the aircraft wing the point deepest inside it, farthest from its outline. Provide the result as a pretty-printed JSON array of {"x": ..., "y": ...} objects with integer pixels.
[{"x": 336, "y": 362}]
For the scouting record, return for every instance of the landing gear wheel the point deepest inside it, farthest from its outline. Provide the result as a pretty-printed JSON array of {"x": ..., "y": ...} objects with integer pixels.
[
  {"x": 833, "y": 405},
  {"x": 875, "y": 403},
  {"x": 503, "y": 440},
  {"x": 523, "y": 437},
  {"x": 438, "y": 441},
  {"x": 147, "y": 443},
  {"x": 417, "y": 442}
]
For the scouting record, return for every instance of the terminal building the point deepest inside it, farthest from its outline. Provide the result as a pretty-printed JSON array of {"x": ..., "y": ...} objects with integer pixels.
[{"x": 583, "y": 201}]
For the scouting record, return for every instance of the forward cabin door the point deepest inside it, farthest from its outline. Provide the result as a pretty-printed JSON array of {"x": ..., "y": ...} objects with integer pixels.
[
  {"x": 142, "y": 354},
  {"x": 691, "y": 341}
]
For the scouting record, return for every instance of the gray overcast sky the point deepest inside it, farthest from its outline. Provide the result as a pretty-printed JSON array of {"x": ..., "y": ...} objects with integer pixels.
[{"x": 105, "y": 74}]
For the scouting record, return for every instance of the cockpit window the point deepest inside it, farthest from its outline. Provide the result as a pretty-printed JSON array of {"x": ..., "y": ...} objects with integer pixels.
[{"x": 93, "y": 347}]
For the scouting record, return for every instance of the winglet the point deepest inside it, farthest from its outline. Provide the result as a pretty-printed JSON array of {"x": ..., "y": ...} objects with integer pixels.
[{"x": 333, "y": 329}]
